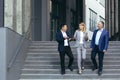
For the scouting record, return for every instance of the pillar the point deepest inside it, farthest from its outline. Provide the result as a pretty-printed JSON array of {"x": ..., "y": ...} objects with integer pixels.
[
  {"x": 45, "y": 22},
  {"x": 8, "y": 13},
  {"x": 1, "y": 13}
]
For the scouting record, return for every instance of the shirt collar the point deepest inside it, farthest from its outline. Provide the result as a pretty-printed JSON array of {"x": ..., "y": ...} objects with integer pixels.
[
  {"x": 63, "y": 31},
  {"x": 101, "y": 29}
]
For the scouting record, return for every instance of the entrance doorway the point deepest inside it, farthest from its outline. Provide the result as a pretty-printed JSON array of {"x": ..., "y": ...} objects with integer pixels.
[
  {"x": 36, "y": 16},
  {"x": 52, "y": 13},
  {"x": 57, "y": 16}
]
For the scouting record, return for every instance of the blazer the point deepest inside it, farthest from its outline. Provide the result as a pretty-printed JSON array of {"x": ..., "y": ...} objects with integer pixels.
[
  {"x": 77, "y": 37},
  {"x": 60, "y": 39},
  {"x": 103, "y": 41}
]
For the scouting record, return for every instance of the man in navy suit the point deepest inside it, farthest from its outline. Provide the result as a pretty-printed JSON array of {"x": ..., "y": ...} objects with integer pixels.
[
  {"x": 99, "y": 45},
  {"x": 63, "y": 38}
]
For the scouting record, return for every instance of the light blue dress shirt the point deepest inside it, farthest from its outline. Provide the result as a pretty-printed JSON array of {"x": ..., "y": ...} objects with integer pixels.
[{"x": 98, "y": 36}]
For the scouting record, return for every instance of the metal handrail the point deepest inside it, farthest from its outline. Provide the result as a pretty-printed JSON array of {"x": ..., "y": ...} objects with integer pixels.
[{"x": 19, "y": 46}]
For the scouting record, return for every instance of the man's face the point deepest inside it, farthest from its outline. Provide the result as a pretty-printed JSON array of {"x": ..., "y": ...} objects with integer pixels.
[
  {"x": 100, "y": 25},
  {"x": 64, "y": 28}
]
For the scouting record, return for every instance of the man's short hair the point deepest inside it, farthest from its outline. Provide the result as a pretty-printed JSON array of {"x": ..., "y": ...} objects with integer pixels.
[
  {"x": 102, "y": 23},
  {"x": 62, "y": 25}
]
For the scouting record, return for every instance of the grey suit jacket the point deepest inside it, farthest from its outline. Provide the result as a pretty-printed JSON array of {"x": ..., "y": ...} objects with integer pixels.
[{"x": 77, "y": 37}]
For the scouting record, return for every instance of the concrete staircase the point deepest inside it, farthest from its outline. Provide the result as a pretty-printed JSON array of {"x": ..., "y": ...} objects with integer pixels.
[{"x": 42, "y": 62}]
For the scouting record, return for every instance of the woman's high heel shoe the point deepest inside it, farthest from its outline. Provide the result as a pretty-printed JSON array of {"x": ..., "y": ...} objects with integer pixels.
[
  {"x": 80, "y": 71},
  {"x": 82, "y": 68}
]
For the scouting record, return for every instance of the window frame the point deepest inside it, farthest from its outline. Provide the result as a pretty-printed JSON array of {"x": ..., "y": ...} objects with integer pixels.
[{"x": 92, "y": 20}]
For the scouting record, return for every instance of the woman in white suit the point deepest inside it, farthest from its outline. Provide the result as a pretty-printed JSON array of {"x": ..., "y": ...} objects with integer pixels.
[{"x": 81, "y": 38}]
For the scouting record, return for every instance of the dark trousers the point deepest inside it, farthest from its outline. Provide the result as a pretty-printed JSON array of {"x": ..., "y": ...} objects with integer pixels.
[
  {"x": 96, "y": 51},
  {"x": 67, "y": 51}
]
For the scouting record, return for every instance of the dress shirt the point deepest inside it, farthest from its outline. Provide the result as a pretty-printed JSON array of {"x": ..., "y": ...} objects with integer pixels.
[
  {"x": 99, "y": 32},
  {"x": 81, "y": 37},
  {"x": 66, "y": 40}
]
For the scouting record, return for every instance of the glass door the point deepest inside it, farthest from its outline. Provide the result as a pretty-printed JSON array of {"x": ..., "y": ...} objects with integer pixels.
[{"x": 54, "y": 17}]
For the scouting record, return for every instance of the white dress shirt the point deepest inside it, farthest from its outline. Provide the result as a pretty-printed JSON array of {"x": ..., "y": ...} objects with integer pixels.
[
  {"x": 98, "y": 35},
  {"x": 66, "y": 40},
  {"x": 81, "y": 37}
]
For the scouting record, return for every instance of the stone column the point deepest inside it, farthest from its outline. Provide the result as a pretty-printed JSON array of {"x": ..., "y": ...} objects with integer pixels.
[
  {"x": 8, "y": 13},
  {"x": 19, "y": 16},
  {"x": 45, "y": 30},
  {"x": 112, "y": 18},
  {"x": 1, "y": 13},
  {"x": 68, "y": 16},
  {"x": 26, "y": 10},
  {"x": 116, "y": 16}
]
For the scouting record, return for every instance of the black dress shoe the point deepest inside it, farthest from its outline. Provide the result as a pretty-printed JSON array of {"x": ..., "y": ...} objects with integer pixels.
[
  {"x": 94, "y": 68},
  {"x": 71, "y": 69},
  {"x": 99, "y": 73},
  {"x": 62, "y": 72}
]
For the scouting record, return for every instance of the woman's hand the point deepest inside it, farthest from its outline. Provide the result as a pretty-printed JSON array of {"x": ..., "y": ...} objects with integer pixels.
[
  {"x": 86, "y": 38},
  {"x": 74, "y": 39}
]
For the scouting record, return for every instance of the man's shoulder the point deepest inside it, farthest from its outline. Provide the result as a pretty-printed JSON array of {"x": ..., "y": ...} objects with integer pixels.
[
  {"x": 58, "y": 32},
  {"x": 67, "y": 32},
  {"x": 95, "y": 30},
  {"x": 106, "y": 30}
]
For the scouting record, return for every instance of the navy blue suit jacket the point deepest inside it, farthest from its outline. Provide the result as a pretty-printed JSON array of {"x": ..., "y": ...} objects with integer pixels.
[
  {"x": 60, "y": 39},
  {"x": 103, "y": 41}
]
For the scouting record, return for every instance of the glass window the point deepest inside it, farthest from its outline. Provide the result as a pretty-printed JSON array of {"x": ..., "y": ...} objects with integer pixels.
[
  {"x": 93, "y": 20},
  {"x": 102, "y": 19},
  {"x": 102, "y": 2}
]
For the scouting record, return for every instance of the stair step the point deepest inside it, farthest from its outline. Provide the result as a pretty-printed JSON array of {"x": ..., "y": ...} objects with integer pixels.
[
  {"x": 58, "y": 66},
  {"x": 89, "y": 71},
  {"x": 55, "y": 51},
  {"x": 69, "y": 76},
  {"x": 75, "y": 60},
  {"x": 57, "y": 55},
  {"x": 55, "y": 47},
  {"x": 71, "y": 43},
  {"x": 57, "y": 58},
  {"x": 58, "y": 62}
]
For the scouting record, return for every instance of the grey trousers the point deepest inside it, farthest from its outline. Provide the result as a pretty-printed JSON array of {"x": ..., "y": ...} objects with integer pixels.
[{"x": 81, "y": 56}]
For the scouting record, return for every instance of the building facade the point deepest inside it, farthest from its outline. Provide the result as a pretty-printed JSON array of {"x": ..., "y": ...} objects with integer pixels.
[
  {"x": 43, "y": 17},
  {"x": 113, "y": 18},
  {"x": 94, "y": 12}
]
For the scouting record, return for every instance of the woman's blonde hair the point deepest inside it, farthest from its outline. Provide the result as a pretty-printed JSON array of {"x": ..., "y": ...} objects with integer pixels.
[{"x": 83, "y": 24}]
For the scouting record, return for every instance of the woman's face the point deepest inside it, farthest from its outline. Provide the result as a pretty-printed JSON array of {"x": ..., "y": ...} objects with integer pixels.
[{"x": 81, "y": 27}]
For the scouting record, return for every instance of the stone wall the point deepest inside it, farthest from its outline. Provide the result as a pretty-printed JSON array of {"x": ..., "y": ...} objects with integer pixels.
[
  {"x": 10, "y": 70},
  {"x": 17, "y": 15}
]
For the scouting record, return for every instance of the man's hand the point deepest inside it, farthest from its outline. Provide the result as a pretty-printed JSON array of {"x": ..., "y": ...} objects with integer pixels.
[
  {"x": 66, "y": 37},
  {"x": 104, "y": 51},
  {"x": 91, "y": 49}
]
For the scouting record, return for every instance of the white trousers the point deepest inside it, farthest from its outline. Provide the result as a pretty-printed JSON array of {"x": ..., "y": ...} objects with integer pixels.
[{"x": 81, "y": 55}]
